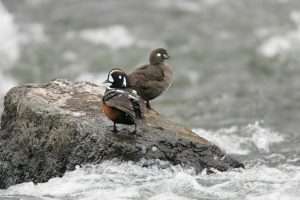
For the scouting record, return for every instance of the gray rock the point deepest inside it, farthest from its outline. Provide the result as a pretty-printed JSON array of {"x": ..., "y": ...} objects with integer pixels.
[{"x": 47, "y": 129}]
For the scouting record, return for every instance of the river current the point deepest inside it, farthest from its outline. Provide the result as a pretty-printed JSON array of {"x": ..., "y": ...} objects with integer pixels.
[{"x": 237, "y": 83}]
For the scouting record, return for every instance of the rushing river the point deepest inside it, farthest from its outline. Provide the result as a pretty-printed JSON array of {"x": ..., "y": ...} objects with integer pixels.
[{"x": 237, "y": 65}]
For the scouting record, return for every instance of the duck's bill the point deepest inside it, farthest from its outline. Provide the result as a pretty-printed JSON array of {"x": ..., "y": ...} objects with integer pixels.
[
  {"x": 106, "y": 83},
  {"x": 166, "y": 56}
]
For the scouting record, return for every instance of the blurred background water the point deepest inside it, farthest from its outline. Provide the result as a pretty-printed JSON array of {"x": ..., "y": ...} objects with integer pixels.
[{"x": 237, "y": 83}]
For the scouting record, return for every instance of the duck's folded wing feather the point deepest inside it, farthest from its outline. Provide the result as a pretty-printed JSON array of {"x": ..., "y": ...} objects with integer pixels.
[
  {"x": 146, "y": 73},
  {"x": 124, "y": 101}
]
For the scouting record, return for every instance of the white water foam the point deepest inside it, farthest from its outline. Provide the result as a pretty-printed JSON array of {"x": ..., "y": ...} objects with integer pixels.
[
  {"x": 280, "y": 44},
  {"x": 127, "y": 180},
  {"x": 260, "y": 182},
  {"x": 109, "y": 180},
  {"x": 242, "y": 140},
  {"x": 115, "y": 36},
  {"x": 275, "y": 46}
]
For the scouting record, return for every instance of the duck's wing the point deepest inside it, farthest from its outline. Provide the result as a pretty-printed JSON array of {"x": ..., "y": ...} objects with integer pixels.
[
  {"x": 125, "y": 101},
  {"x": 146, "y": 73}
]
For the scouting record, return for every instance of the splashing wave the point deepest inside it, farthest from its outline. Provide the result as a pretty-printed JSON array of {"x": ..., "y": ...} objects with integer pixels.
[{"x": 243, "y": 140}]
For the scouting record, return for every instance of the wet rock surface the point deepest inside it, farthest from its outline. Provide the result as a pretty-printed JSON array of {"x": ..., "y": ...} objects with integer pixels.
[{"x": 47, "y": 129}]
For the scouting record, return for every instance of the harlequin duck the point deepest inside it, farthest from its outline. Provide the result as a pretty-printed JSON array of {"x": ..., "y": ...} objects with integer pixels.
[
  {"x": 152, "y": 79},
  {"x": 121, "y": 104}
]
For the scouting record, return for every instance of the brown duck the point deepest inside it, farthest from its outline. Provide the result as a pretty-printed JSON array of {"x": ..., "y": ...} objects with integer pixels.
[
  {"x": 152, "y": 79},
  {"x": 121, "y": 104}
]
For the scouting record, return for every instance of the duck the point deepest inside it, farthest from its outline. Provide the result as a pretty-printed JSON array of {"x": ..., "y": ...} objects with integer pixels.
[
  {"x": 151, "y": 80},
  {"x": 121, "y": 104}
]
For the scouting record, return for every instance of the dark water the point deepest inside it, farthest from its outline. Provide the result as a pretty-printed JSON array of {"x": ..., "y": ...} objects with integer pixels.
[{"x": 237, "y": 82}]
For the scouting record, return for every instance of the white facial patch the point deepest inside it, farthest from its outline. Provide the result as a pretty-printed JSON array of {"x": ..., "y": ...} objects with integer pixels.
[
  {"x": 110, "y": 78},
  {"x": 158, "y": 54},
  {"x": 124, "y": 82},
  {"x": 120, "y": 77},
  {"x": 114, "y": 70}
]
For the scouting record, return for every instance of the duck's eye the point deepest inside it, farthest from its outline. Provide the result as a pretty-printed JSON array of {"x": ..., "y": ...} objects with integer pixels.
[
  {"x": 158, "y": 54},
  {"x": 120, "y": 77}
]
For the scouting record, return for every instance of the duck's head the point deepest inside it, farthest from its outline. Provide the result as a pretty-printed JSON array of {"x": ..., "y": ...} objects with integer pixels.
[
  {"x": 116, "y": 78},
  {"x": 158, "y": 56}
]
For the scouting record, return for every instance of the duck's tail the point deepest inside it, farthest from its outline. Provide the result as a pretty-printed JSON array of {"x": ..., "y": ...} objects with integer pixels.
[{"x": 137, "y": 109}]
